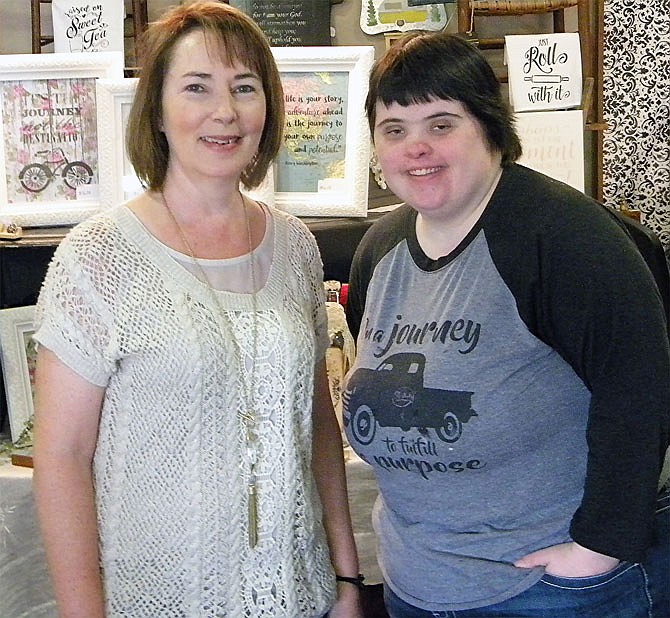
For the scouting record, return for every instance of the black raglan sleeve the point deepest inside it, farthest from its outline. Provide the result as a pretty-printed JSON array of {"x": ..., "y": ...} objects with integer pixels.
[
  {"x": 582, "y": 287},
  {"x": 359, "y": 277}
]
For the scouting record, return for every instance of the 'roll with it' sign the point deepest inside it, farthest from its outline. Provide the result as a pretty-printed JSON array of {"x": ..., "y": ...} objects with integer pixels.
[{"x": 545, "y": 71}]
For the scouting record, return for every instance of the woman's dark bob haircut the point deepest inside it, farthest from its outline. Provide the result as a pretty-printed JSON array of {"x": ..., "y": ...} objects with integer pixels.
[
  {"x": 419, "y": 68},
  {"x": 239, "y": 39}
]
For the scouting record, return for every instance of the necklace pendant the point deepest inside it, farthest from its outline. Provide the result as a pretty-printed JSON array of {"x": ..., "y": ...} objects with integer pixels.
[
  {"x": 253, "y": 514},
  {"x": 247, "y": 418}
]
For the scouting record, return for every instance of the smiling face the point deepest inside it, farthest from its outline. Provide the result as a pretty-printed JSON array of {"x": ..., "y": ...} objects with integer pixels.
[
  {"x": 213, "y": 112},
  {"x": 435, "y": 156}
]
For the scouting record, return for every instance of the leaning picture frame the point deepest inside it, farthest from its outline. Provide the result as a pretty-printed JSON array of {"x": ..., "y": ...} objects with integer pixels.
[
  {"x": 120, "y": 183},
  {"x": 18, "y": 354},
  {"x": 323, "y": 166},
  {"x": 114, "y": 98},
  {"x": 48, "y": 136}
]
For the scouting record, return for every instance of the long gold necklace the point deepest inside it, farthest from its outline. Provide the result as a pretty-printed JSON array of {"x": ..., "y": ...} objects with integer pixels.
[{"x": 248, "y": 416}]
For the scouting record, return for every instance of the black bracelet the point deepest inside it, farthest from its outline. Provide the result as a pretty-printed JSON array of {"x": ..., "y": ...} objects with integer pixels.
[{"x": 356, "y": 581}]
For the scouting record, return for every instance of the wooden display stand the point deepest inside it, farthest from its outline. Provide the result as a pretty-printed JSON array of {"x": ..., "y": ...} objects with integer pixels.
[
  {"x": 588, "y": 12},
  {"x": 468, "y": 10}
]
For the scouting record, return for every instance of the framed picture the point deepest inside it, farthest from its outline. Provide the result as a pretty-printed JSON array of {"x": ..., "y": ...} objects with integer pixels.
[
  {"x": 17, "y": 354},
  {"x": 290, "y": 23},
  {"x": 322, "y": 167},
  {"x": 48, "y": 135},
  {"x": 84, "y": 26},
  {"x": 120, "y": 183}
]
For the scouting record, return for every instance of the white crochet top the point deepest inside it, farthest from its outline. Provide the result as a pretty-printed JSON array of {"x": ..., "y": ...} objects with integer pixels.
[{"x": 169, "y": 475}]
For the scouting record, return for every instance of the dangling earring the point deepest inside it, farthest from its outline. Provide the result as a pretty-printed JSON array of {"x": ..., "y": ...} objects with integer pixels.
[{"x": 377, "y": 170}]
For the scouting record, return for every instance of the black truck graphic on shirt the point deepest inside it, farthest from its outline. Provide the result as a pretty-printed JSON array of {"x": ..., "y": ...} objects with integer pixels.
[{"x": 394, "y": 395}]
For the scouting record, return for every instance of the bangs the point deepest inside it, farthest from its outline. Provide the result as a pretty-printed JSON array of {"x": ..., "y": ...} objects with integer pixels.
[
  {"x": 406, "y": 81},
  {"x": 235, "y": 47},
  {"x": 421, "y": 68},
  {"x": 405, "y": 94}
]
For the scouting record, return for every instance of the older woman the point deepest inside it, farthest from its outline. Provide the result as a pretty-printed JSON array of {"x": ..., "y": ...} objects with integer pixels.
[{"x": 185, "y": 443}]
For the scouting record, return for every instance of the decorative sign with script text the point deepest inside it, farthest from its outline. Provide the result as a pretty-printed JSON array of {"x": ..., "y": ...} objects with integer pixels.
[
  {"x": 87, "y": 26},
  {"x": 313, "y": 156},
  {"x": 545, "y": 71},
  {"x": 553, "y": 143},
  {"x": 290, "y": 23}
]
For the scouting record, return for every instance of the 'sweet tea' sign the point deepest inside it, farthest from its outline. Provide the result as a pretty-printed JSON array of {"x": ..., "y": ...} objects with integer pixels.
[
  {"x": 545, "y": 71},
  {"x": 85, "y": 26}
]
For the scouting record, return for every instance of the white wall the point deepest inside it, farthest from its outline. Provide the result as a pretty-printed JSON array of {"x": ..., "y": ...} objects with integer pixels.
[{"x": 15, "y": 27}]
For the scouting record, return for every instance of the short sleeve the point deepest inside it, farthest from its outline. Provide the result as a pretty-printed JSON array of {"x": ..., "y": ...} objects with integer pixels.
[
  {"x": 70, "y": 318},
  {"x": 306, "y": 260},
  {"x": 319, "y": 315}
]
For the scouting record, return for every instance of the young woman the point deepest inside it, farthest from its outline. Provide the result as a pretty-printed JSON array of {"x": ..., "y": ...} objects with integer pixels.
[{"x": 512, "y": 380}]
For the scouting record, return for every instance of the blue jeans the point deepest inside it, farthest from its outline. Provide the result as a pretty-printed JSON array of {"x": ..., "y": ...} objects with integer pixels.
[{"x": 628, "y": 591}]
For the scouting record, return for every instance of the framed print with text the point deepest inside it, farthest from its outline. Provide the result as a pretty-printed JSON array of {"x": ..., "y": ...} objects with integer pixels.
[
  {"x": 48, "y": 136},
  {"x": 323, "y": 166}
]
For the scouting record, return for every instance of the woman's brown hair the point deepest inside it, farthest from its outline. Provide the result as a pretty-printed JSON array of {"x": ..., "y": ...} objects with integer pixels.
[{"x": 240, "y": 40}]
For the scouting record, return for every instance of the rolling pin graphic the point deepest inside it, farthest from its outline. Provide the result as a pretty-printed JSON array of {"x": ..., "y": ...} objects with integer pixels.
[{"x": 546, "y": 79}]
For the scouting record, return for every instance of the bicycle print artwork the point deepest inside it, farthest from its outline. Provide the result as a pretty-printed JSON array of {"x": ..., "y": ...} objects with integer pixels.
[
  {"x": 50, "y": 138},
  {"x": 36, "y": 176}
]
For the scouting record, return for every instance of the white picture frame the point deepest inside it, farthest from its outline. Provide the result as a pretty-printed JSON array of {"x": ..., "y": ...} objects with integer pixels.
[
  {"x": 48, "y": 136},
  {"x": 307, "y": 183},
  {"x": 17, "y": 354},
  {"x": 120, "y": 183},
  {"x": 114, "y": 99}
]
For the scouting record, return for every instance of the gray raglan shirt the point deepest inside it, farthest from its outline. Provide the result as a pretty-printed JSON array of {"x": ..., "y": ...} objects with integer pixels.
[{"x": 511, "y": 396}]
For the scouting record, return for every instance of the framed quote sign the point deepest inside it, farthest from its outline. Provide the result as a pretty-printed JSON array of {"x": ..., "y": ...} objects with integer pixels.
[
  {"x": 322, "y": 168},
  {"x": 18, "y": 352},
  {"x": 553, "y": 143},
  {"x": 119, "y": 183},
  {"x": 290, "y": 23}
]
